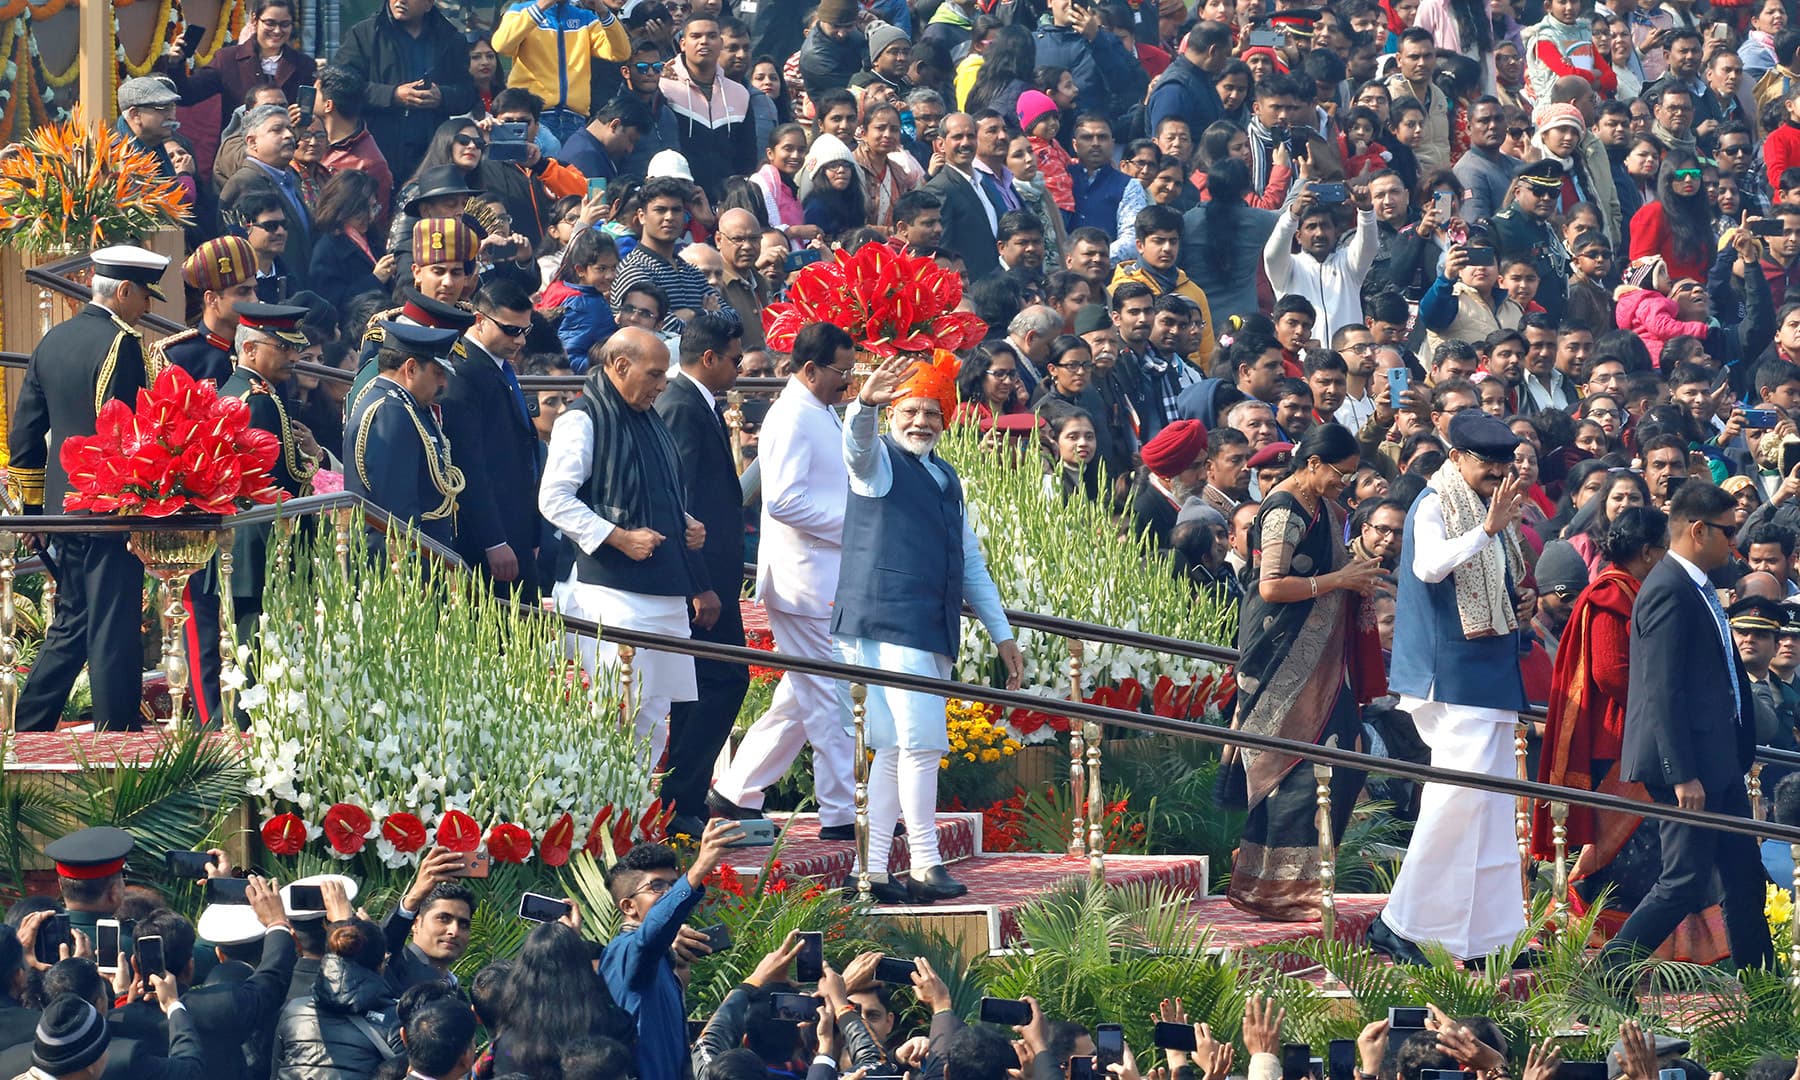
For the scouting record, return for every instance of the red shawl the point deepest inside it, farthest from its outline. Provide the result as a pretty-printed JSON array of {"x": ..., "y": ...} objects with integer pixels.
[{"x": 1587, "y": 696}]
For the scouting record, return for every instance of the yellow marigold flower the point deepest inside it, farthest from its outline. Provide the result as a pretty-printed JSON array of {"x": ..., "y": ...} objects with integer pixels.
[
  {"x": 968, "y": 757},
  {"x": 944, "y": 763},
  {"x": 1007, "y": 750},
  {"x": 1778, "y": 906},
  {"x": 990, "y": 756}
]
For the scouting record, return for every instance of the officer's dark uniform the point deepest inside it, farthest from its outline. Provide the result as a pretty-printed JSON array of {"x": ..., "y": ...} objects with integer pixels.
[
  {"x": 395, "y": 454},
  {"x": 1517, "y": 234},
  {"x": 79, "y": 366},
  {"x": 291, "y": 473}
]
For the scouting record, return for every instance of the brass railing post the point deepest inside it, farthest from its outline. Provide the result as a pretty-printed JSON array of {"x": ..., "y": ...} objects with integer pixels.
[
  {"x": 1327, "y": 854},
  {"x": 1096, "y": 807},
  {"x": 1522, "y": 818},
  {"x": 1559, "y": 838},
  {"x": 227, "y": 630},
  {"x": 859, "y": 695},
  {"x": 47, "y": 601},
  {"x": 341, "y": 526},
  {"x": 627, "y": 714},
  {"x": 1754, "y": 783},
  {"x": 9, "y": 643},
  {"x": 1077, "y": 766}
]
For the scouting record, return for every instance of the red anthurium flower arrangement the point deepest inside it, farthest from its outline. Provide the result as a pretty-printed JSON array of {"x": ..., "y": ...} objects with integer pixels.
[
  {"x": 284, "y": 834},
  {"x": 182, "y": 448},
  {"x": 509, "y": 843},
  {"x": 458, "y": 832},
  {"x": 887, "y": 301},
  {"x": 558, "y": 839},
  {"x": 403, "y": 830},
  {"x": 346, "y": 828}
]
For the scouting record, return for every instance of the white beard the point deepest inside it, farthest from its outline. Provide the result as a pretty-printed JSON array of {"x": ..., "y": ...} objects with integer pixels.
[{"x": 918, "y": 445}]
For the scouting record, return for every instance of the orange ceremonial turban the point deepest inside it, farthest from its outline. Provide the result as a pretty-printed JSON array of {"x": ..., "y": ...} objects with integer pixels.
[{"x": 935, "y": 378}]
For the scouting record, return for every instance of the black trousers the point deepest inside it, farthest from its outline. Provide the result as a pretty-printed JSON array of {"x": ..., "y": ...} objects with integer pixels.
[
  {"x": 99, "y": 608},
  {"x": 1689, "y": 857},
  {"x": 200, "y": 637},
  {"x": 698, "y": 729}
]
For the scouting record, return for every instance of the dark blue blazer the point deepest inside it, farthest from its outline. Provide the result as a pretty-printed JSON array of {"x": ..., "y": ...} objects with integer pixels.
[{"x": 1680, "y": 721}]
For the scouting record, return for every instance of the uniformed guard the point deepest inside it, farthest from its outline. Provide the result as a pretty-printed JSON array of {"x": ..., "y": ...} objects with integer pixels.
[
  {"x": 395, "y": 454},
  {"x": 78, "y": 367},
  {"x": 269, "y": 339},
  {"x": 90, "y": 873},
  {"x": 1523, "y": 230},
  {"x": 222, "y": 271},
  {"x": 442, "y": 284}
]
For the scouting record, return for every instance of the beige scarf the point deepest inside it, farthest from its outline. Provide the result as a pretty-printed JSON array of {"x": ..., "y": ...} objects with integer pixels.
[{"x": 1482, "y": 598}]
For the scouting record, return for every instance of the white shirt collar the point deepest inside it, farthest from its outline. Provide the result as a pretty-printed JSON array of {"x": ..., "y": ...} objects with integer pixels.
[
  {"x": 1693, "y": 572},
  {"x": 712, "y": 402}
]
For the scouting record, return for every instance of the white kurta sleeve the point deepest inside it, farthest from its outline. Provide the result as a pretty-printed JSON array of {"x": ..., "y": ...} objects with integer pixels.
[
  {"x": 865, "y": 455},
  {"x": 979, "y": 590},
  {"x": 1435, "y": 554},
  {"x": 566, "y": 468},
  {"x": 789, "y": 487}
]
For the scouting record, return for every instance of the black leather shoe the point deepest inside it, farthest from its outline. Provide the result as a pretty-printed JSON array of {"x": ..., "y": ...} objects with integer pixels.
[
  {"x": 895, "y": 890},
  {"x": 848, "y": 832},
  {"x": 1396, "y": 948},
  {"x": 685, "y": 825},
  {"x": 937, "y": 884},
  {"x": 720, "y": 806}
]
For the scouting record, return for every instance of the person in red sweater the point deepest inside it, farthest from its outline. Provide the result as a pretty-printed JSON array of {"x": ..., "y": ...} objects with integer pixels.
[
  {"x": 1781, "y": 150},
  {"x": 1677, "y": 225}
]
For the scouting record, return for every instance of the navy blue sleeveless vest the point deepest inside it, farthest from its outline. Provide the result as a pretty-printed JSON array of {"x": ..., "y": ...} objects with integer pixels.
[
  {"x": 1432, "y": 658},
  {"x": 901, "y": 580}
]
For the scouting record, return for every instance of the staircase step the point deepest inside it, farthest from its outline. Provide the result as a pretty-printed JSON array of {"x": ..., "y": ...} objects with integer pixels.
[{"x": 804, "y": 855}]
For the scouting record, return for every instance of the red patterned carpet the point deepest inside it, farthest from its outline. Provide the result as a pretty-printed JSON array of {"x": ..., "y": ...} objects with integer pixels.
[
  {"x": 65, "y": 751},
  {"x": 803, "y": 855}
]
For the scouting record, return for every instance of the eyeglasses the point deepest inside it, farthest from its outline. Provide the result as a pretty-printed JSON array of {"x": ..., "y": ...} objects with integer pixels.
[
  {"x": 1382, "y": 530},
  {"x": 270, "y": 24},
  {"x": 1004, "y": 373},
  {"x": 509, "y": 329},
  {"x": 638, "y": 312},
  {"x": 1341, "y": 474},
  {"x": 1518, "y": 132},
  {"x": 655, "y": 68},
  {"x": 742, "y": 238},
  {"x": 1724, "y": 530},
  {"x": 1744, "y": 149},
  {"x": 270, "y": 226},
  {"x": 309, "y": 136},
  {"x": 472, "y": 140},
  {"x": 655, "y": 887},
  {"x": 1686, "y": 174},
  {"x": 1086, "y": 365}
]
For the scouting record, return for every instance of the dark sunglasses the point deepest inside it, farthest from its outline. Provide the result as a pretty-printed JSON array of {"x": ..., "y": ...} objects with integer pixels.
[
  {"x": 648, "y": 69},
  {"x": 509, "y": 329},
  {"x": 471, "y": 140},
  {"x": 269, "y": 226},
  {"x": 1518, "y": 132}
]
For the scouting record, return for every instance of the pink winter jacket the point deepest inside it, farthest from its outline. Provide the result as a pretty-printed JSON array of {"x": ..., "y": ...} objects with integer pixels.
[{"x": 1651, "y": 316}]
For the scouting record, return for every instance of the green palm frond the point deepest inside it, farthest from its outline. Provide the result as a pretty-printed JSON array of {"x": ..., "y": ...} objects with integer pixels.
[
  {"x": 1729, "y": 1040},
  {"x": 909, "y": 940},
  {"x": 1374, "y": 984},
  {"x": 174, "y": 801},
  {"x": 584, "y": 881},
  {"x": 495, "y": 929},
  {"x": 758, "y": 924},
  {"x": 31, "y": 814}
]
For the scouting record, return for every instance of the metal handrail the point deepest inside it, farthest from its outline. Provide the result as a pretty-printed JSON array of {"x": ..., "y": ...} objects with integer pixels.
[
  {"x": 49, "y": 276},
  {"x": 1218, "y": 735}
]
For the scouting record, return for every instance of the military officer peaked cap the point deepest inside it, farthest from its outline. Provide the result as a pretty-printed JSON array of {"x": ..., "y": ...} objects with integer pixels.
[{"x": 90, "y": 854}]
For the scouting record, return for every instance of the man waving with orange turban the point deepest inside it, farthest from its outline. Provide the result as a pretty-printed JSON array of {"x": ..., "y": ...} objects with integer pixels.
[{"x": 899, "y": 605}]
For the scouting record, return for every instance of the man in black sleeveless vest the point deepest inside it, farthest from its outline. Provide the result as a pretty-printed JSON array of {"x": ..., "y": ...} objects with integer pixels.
[{"x": 899, "y": 605}]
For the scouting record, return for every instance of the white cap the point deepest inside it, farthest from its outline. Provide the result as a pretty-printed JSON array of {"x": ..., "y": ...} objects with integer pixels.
[
  {"x": 670, "y": 163},
  {"x": 123, "y": 262},
  {"x": 229, "y": 924},
  {"x": 287, "y": 897}
]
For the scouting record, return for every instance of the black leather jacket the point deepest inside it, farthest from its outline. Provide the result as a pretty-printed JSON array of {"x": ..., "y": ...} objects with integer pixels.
[{"x": 318, "y": 1038}]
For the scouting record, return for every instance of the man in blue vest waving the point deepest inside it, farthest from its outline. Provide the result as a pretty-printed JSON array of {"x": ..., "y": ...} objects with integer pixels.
[
  {"x": 899, "y": 606},
  {"x": 1456, "y": 668}
]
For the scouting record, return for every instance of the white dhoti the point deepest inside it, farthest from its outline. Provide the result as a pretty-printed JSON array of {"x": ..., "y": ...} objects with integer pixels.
[
  {"x": 909, "y": 733},
  {"x": 1459, "y": 884},
  {"x": 657, "y": 678},
  {"x": 805, "y": 709}
]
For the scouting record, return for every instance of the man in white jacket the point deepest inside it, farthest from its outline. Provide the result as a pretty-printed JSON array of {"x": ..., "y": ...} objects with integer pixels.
[
  {"x": 1326, "y": 274},
  {"x": 805, "y": 484}
]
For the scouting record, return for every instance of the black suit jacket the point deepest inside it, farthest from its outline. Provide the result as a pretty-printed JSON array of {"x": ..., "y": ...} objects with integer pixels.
[
  {"x": 1679, "y": 712},
  {"x": 966, "y": 228},
  {"x": 710, "y": 481},
  {"x": 131, "y": 1059},
  {"x": 495, "y": 446},
  {"x": 18, "y": 1025},
  {"x": 81, "y": 364},
  {"x": 235, "y": 1010}
]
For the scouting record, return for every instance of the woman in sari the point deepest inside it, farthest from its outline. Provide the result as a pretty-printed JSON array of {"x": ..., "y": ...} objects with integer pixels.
[
  {"x": 1582, "y": 744},
  {"x": 1310, "y": 654}
]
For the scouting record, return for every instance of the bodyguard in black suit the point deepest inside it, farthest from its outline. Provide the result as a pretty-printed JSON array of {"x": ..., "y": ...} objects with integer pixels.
[
  {"x": 693, "y": 410},
  {"x": 488, "y": 422},
  {"x": 1690, "y": 736},
  {"x": 78, "y": 367},
  {"x": 969, "y": 229}
]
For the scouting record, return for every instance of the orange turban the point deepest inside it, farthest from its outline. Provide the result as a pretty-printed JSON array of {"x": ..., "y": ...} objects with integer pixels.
[{"x": 935, "y": 378}]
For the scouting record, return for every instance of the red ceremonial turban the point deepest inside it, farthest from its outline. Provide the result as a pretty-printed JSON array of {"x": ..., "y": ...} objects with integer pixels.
[{"x": 1175, "y": 448}]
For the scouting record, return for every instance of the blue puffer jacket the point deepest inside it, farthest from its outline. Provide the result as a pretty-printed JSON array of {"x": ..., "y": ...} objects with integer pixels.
[{"x": 1109, "y": 79}]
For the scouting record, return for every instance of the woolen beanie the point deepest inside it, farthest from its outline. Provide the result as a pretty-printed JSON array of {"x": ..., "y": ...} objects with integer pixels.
[
  {"x": 1033, "y": 104},
  {"x": 837, "y": 12},
  {"x": 71, "y": 1035},
  {"x": 882, "y": 35}
]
